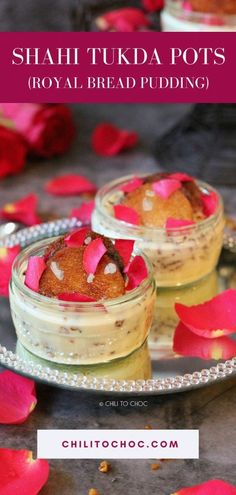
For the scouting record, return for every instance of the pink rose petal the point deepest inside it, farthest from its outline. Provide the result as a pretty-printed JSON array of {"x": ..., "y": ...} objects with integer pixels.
[
  {"x": 75, "y": 297},
  {"x": 182, "y": 177},
  {"x": 187, "y": 343},
  {"x": 7, "y": 256},
  {"x": 153, "y": 5},
  {"x": 132, "y": 185},
  {"x": 17, "y": 398},
  {"x": 126, "y": 214},
  {"x": 127, "y": 19},
  {"x": 166, "y": 187},
  {"x": 213, "y": 318},
  {"x": 93, "y": 253},
  {"x": 187, "y": 6},
  {"x": 209, "y": 203},
  {"x": 84, "y": 212},
  {"x": 125, "y": 248},
  {"x": 20, "y": 474},
  {"x": 69, "y": 185},
  {"x": 23, "y": 211},
  {"x": 136, "y": 272},
  {"x": 211, "y": 487},
  {"x": 76, "y": 238},
  {"x": 109, "y": 140},
  {"x": 35, "y": 268},
  {"x": 173, "y": 224}
]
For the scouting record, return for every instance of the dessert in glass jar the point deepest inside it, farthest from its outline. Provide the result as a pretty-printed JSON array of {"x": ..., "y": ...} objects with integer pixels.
[
  {"x": 81, "y": 299},
  {"x": 199, "y": 15},
  {"x": 177, "y": 221}
]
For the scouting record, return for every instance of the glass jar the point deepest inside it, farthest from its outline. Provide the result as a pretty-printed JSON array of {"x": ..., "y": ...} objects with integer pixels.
[
  {"x": 180, "y": 256},
  {"x": 175, "y": 17},
  {"x": 79, "y": 333}
]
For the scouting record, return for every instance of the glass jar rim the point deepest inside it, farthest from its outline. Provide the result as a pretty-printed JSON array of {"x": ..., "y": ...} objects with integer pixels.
[
  {"x": 137, "y": 229},
  {"x": 75, "y": 305}
]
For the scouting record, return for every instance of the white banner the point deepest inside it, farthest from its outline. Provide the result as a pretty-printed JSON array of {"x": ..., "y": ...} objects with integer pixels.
[{"x": 118, "y": 444}]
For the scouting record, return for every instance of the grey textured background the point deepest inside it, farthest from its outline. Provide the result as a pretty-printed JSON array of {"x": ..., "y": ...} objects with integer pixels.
[{"x": 212, "y": 409}]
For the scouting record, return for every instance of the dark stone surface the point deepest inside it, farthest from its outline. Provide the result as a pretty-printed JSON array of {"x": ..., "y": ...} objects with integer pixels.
[{"x": 211, "y": 409}]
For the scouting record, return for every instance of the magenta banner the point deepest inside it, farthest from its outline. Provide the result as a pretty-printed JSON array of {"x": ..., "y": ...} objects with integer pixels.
[{"x": 115, "y": 67}]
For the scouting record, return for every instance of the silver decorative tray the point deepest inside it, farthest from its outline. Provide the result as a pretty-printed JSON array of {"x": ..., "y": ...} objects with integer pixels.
[{"x": 155, "y": 368}]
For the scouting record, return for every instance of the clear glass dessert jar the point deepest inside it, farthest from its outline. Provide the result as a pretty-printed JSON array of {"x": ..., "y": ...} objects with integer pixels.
[
  {"x": 74, "y": 332},
  {"x": 180, "y": 255},
  {"x": 178, "y": 16}
]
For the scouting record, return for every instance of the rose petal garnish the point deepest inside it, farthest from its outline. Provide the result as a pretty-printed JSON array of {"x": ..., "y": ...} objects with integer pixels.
[
  {"x": 75, "y": 297},
  {"x": 93, "y": 253},
  {"x": 182, "y": 177},
  {"x": 84, "y": 211},
  {"x": 126, "y": 19},
  {"x": 17, "y": 398},
  {"x": 68, "y": 185},
  {"x": 76, "y": 238},
  {"x": 35, "y": 268},
  {"x": 20, "y": 473},
  {"x": 109, "y": 140},
  {"x": 187, "y": 343},
  {"x": 166, "y": 187},
  {"x": 136, "y": 272},
  {"x": 187, "y": 6},
  {"x": 132, "y": 185},
  {"x": 7, "y": 256},
  {"x": 211, "y": 487},
  {"x": 213, "y": 318},
  {"x": 126, "y": 214},
  {"x": 153, "y": 5},
  {"x": 172, "y": 224},
  {"x": 23, "y": 211},
  {"x": 209, "y": 203},
  {"x": 125, "y": 248}
]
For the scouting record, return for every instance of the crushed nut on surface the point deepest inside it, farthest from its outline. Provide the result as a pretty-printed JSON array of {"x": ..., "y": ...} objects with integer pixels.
[
  {"x": 155, "y": 466},
  {"x": 93, "y": 491},
  {"x": 148, "y": 427},
  {"x": 104, "y": 467}
]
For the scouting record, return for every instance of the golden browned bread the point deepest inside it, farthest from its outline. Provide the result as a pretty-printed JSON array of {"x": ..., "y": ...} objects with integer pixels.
[
  {"x": 183, "y": 204},
  {"x": 65, "y": 272},
  {"x": 214, "y": 6}
]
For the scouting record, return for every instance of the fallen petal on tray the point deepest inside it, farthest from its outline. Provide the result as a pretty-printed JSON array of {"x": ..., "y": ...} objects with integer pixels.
[
  {"x": 213, "y": 318},
  {"x": 17, "y": 398},
  {"x": 187, "y": 343},
  {"x": 109, "y": 140},
  {"x": 69, "y": 185},
  {"x": 20, "y": 473},
  {"x": 23, "y": 210}
]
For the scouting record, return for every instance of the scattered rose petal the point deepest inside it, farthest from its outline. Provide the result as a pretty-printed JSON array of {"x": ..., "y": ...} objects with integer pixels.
[
  {"x": 136, "y": 272},
  {"x": 182, "y": 177},
  {"x": 153, "y": 5},
  {"x": 132, "y": 185},
  {"x": 84, "y": 211},
  {"x": 23, "y": 211},
  {"x": 125, "y": 248},
  {"x": 210, "y": 203},
  {"x": 126, "y": 214},
  {"x": 127, "y": 19},
  {"x": 187, "y": 6},
  {"x": 166, "y": 187},
  {"x": 211, "y": 487},
  {"x": 76, "y": 238},
  {"x": 68, "y": 185},
  {"x": 75, "y": 297},
  {"x": 187, "y": 343},
  {"x": 213, "y": 20},
  {"x": 108, "y": 140},
  {"x": 17, "y": 398},
  {"x": 35, "y": 268},
  {"x": 93, "y": 253},
  {"x": 7, "y": 256},
  {"x": 173, "y": 224},
  {"x": 213, "y": 318},
  {"x": 20, "y": 473}
]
